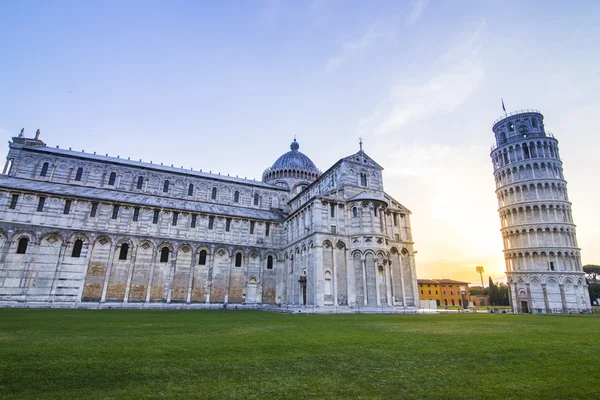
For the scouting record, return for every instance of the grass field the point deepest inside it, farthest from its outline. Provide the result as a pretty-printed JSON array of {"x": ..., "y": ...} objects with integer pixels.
[{"x": 68, "y": 354}]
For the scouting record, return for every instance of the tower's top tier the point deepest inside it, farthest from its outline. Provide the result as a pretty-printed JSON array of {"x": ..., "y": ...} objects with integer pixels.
[{"x": 519, "y": 125}]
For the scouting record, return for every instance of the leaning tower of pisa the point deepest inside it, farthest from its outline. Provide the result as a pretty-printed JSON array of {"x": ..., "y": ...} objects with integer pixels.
[{"x": 543, "y": 263}]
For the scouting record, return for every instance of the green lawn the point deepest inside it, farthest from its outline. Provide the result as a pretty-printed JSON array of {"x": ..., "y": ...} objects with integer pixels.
[{"x": 68, "y": 354}]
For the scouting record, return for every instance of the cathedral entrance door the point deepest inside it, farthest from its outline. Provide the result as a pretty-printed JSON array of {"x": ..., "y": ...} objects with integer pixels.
[{"x": 524, "y": 307}]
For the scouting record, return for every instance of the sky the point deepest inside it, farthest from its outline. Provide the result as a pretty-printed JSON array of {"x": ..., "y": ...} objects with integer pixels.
[{"x": 224, "y": 86}]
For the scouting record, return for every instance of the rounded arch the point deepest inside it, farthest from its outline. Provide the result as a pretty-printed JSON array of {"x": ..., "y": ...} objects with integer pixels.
[
  {"x": 120, "y": 241},
  {"x": 24, "y": 233},
  {"x": 165, "y": 244},
  {"x": 78, "y": 236}
]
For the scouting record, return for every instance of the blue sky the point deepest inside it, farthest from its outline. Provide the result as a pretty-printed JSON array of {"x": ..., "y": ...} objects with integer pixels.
[{"x": 224, "y": 86}]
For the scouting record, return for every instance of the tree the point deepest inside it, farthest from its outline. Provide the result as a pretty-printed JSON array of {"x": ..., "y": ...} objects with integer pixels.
[
  {"x": 592, "y": 275},
  {"x": 502, "y": 294},
  {"x": 498, "y": 294},
  {"x": 492, "y": 292}
]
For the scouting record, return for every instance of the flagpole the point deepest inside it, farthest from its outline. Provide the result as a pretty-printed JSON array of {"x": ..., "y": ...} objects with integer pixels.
[{"x": 504, "y": 108}]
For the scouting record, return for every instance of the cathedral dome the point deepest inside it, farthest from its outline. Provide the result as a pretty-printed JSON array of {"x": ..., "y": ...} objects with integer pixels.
[
  {"x": 292, "y": 169},
  {"x": 294, "y": 160}
]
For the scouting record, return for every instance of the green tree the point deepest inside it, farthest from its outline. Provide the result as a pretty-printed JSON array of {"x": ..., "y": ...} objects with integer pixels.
[
  {"x": 502, "y": 294},
  {"x": 492, "y": 292},
  {"x": 592, "y": 275},
  {"x": 592, "y": 272}
]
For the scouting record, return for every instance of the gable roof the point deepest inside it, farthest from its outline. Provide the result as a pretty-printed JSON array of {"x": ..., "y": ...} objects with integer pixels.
[{"x": 363, "y": 159}]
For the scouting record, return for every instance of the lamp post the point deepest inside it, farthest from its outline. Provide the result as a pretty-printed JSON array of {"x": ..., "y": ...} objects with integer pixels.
[{"x": 480, "y": 271}]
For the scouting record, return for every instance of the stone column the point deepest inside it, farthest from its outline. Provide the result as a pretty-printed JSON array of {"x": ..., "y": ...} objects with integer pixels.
[
  {"x": 402, "y": 280},
  {"x": 319, "y": 274},
  {"x": 377, "y": 296},
  {"x": 364, "y": 270},
  {"x": 546, "y": 298},
  {"x": 172, "y": 275},
  {"x": 516, "y": 293},
  {"x": 152, "y": 266},
  {"x": 188, "y": 299},
  {"x": 388, "y": 281},
  {"x": 563, "y": 298},
  {"x": 211, "y": 263},
  {"x": 108, "y": 270},
  {"x": 263, "y": 266},
  {"x": 334, "y": 273},
  {"x": 392, "y": 280},
  {"x": 350, "y": 280},
  {"x": 130, "y": 273},
  {"x": 226, "y": 301},
  {"x": 529, "y": 297},
  {"x": 59, "y": 262}
]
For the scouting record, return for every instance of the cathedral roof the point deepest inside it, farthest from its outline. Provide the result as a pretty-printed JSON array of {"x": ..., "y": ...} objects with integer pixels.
[
  {"x": 140, "y": 164},
  {"x": 140, "y": 199},
  {"x": 294, "y": 160}
]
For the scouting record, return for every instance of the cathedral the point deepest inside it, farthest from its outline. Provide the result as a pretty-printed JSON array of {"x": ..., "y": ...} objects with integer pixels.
[{"x": 93, "y": 231}]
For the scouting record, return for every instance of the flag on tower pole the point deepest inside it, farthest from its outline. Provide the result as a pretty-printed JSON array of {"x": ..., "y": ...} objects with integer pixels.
[{"x": 503, "y": 108}]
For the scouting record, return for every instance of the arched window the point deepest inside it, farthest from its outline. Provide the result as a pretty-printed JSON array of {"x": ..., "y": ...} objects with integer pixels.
[
  {"x": 166, "y": 186},
  {"x": 255, "y": 199},
  {"x": 112, "y": 178},
  {"x": 191, "y": 190},
  {"x": 202, "y": 259},
  {"x": 22, "y": 247},
  {"x": 270, "y": 262},
  {"x": 445, "y": 302},
  {"x": 77, "y": 248},
  {"x": 124, "y": 251},
  {"x": 164, "y": 255},
  {"x": 214, "y": 193},
  {"x": 140, "y": 182},
  {"x": 78, "y": 174},
  {"x": 236, "y": 197},
  {"x": 44, "y": 169},
  {"x": 355, "y": 212},
  {"x": 238, "y": 260},
  {"x": 363, "y": 179},
  {"x": 452, "y": 301}
]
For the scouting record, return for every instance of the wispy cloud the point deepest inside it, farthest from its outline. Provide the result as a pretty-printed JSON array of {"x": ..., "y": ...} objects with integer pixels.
[
  {"x": 416, "y": 9},
  {"x": 460, "y": 74},
  {"x": 355, "y": 48}
]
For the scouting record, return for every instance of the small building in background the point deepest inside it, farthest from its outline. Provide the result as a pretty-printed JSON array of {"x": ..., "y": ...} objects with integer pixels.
[
  {"x": 446, "y": 292},
  {"x": 480, "y": 300}
]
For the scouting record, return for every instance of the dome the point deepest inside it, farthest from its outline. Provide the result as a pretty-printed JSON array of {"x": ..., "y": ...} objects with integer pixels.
[
  {"x": 294, "y": 160},
  {"x": 292, "y": 169}
]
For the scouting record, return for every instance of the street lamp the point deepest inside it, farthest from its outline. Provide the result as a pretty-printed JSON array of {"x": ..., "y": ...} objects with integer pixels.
[{"x": 480, "y": 271}]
